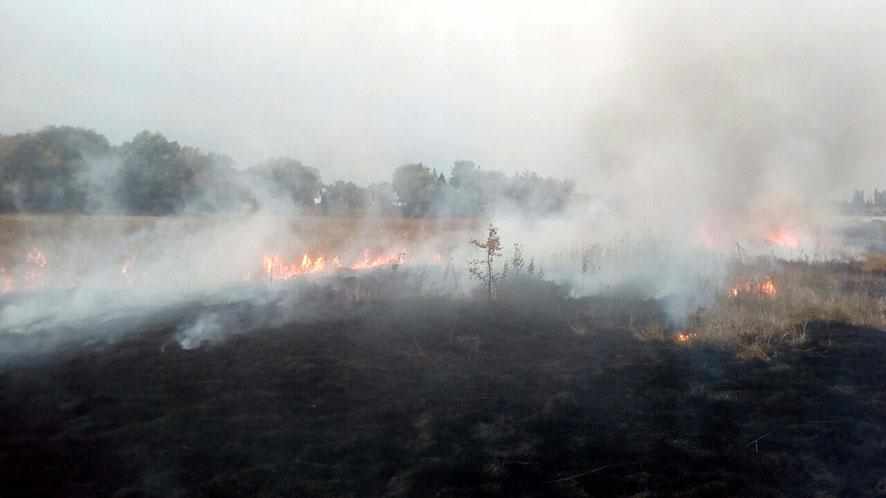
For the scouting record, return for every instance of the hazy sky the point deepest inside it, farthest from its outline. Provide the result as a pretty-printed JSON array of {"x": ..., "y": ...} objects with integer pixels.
[{"x": 356, "y": 88}]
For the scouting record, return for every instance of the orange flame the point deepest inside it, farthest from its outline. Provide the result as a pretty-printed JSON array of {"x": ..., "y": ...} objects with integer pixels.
[
  {"x": 767, "y": 288},
  {"x": 276, "y": 268},
  {"x": 761, "y": 288},
  {"x": 32, "y": 272},
  {"x": 782, "y": 237},
  {"x": 684, "y": 336}
]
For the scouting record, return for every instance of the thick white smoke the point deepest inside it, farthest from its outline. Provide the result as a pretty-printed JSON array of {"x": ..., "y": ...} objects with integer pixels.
[{"x": 695, "y": 132}]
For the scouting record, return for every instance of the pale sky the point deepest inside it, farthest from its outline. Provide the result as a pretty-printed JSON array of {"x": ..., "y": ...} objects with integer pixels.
[
  {"x": 352, "y": 86},
  {"x": 357, "y": 88}
]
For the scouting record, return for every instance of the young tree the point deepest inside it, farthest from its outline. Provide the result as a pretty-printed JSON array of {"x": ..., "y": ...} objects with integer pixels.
[{"x": 487, "y": 275}]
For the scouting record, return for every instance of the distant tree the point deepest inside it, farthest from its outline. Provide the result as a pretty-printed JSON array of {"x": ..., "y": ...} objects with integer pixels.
[
  {"x": 45, "y": 170},
  {"x": 415, "y": 186},
  {"x": 72, "y": 169},
  {"x": 290, "y": 178},
  {"x": 462, "y": 172},
  {"x": 534, "y": 194},
  {"x": 220, "y": 187},
  {"x": 477, "y": 190},
  {"x": 344, "y": 198},
  {"x": 381, "y": 199},
  {"x": 158, "y": 176}
]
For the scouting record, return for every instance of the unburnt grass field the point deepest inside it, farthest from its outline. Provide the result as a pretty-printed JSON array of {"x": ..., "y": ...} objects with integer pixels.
[{"x": 52, "y": 232}]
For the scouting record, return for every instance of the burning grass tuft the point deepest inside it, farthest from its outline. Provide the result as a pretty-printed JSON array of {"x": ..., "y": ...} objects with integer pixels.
[{"x": 776, "y": 310}]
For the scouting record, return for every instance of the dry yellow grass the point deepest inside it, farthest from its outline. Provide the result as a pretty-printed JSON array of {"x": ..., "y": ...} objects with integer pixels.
[
  {"x": 308, "y": 233},
  {"x": 65, "y": 251},
  {"x": 806, "y": 293},
  {"x": 874, "y": 263}
]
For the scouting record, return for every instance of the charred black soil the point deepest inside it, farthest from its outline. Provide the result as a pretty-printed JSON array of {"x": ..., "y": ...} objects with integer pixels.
[{"x": 444, "y": 397}]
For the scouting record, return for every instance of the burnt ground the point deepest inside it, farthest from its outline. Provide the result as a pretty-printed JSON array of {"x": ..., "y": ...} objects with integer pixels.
[{"x": 442, "y": 397}]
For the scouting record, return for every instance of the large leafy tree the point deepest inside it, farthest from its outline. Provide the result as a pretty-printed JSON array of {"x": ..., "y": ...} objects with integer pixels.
[
  {"x": 538, "y": 195},
  {"x": 221, "y": 187},
  {"x": 381, "y": 199},
  {"x": 342, "y": 198},
  {"x": 45, "y": 171},
  {"x": 475, "y": 190},
  {"x": 286, "y": 177},
  {"x": 158, "y": 176},
  {"x": 73, "y": 169},
  {"x": 415, "y": 186}
]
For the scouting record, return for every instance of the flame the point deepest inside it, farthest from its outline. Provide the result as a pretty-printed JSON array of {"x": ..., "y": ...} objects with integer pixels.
[
  {"x": 684, "y": 336},
  {"x": 276, "y": 268},
  {"x": 767, "y": 288},
  {"x": 760, "y": 288},
  {"x": 32, "y": 270},
  {"x": 782, "y": 237}
]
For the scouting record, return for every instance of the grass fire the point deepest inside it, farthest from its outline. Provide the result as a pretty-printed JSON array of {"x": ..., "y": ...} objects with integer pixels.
[{"x": 495, "y": 249}]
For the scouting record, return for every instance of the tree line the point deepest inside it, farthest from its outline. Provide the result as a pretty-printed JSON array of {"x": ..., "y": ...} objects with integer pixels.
[{"x": 75, "y": 170}]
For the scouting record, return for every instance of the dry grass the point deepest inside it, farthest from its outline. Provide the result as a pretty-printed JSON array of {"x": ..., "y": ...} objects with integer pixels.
[
  {"x": 874, "y": 263},
  {"x": 806, "y": 293},
  {"x": 307, "y": 233}
]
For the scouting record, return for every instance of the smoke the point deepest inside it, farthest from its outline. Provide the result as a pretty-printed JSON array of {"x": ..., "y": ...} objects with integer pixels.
[
  {"x": 733, "y": 114},
  {"x": 691, "y": 130},
  {"x": 105, "y": 276},
  {"x": 726, "y": 130}
]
